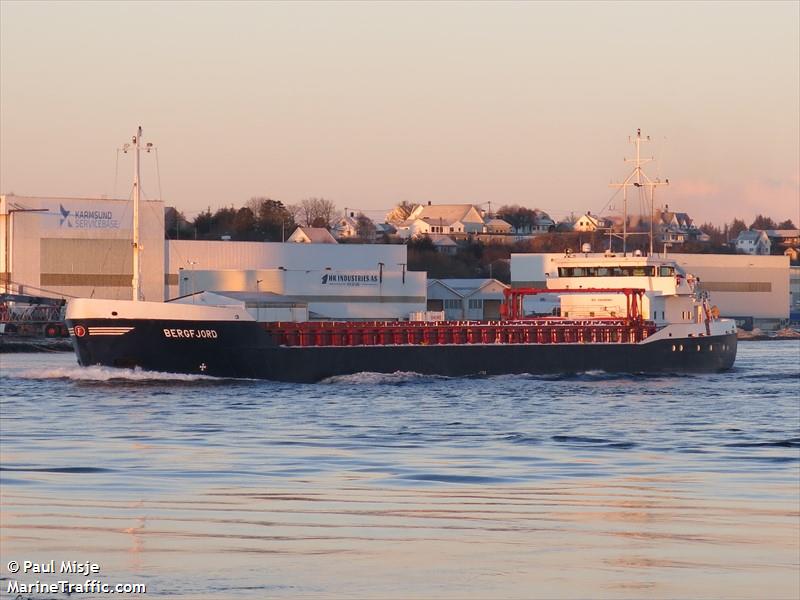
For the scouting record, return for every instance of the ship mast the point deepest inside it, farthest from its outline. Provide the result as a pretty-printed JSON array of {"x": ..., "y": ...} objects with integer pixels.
[
  {"x": 136, "y": 197},
  {"x": 638, "y": 179}
]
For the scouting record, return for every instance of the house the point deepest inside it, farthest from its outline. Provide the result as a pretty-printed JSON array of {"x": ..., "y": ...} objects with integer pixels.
[
  {"x": 444, "y": 243},
  {"x": 346, "y": 227},
  {"x": 752, "y": 241},
  {"x": 782, "y": 239},
  {"x": 677, "y": 228},
  {"x": 589, "y": 222},
  {"x": 441, "y": 218},
  {"x": 542, "y": 222},
  {"x": 526, "y": 222},
  {"x": 498, "y": 226},
  {"x": 312, "y": 235},
  {"x": 473, "y": 299},
  {"x": 385, "y": 229}
]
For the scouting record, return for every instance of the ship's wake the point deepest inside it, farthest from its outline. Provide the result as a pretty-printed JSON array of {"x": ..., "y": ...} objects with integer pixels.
[
  {"x": 373, "y": 378},
  {"x": 106, "y": 374}
]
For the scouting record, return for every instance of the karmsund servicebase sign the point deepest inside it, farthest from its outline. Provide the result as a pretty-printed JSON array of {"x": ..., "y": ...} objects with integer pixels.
[
  {"x": 87, "y": 219},
  {"x": 71, "y": 215}
]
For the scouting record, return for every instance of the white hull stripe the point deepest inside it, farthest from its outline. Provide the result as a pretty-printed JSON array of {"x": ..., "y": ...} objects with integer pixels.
[{"x": 109, "y": 330}]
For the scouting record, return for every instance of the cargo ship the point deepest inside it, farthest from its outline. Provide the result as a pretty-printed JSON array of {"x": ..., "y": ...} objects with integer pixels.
[{"x": 614, "y": 313}]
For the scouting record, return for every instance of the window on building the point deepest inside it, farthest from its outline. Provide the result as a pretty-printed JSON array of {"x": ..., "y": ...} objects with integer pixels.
[
  {"x": 452, "y": 303},
  {"x": 475, "y": 303}
]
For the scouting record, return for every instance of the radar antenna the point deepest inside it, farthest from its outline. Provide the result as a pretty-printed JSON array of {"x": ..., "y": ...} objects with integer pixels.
[{"x": 638, "y": 179}]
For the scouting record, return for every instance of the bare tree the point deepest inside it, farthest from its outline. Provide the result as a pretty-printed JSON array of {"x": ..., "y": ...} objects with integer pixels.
[
  {"x": 400, "y": 212},
  {"x": 317, "y": 212}
]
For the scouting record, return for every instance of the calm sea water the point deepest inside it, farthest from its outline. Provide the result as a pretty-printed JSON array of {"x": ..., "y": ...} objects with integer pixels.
[{"x": 403, "y": 486}]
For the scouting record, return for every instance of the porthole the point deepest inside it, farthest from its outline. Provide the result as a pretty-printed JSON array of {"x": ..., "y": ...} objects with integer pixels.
[
  {"x": 711, "y": 347},
  {"x": 698, "y": 347},
  {"x": 680, "y": 347},
  {"x": 673, "y": 347},
  {"x": 113, "y": 313}
]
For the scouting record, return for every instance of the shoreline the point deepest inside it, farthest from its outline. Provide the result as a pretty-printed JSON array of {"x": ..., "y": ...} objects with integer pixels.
[{"x": 34, "y": 345}]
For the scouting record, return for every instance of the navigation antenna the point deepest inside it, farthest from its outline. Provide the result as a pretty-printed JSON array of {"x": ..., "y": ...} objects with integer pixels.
[{"x": 638, "y": 179}]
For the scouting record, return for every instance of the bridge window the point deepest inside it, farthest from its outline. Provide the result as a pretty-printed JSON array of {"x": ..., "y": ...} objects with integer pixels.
[{"x": 640, "y": 271}]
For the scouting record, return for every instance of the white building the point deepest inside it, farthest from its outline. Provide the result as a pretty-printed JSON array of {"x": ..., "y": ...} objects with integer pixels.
[
  {"x": 329, "y": 294},
  {"x": 311, "y": 235},
  {"x": 588, "y": 222},
  {"x": 442, "y": 218},
  {"x": 346, "y": 227},
  {"x": 753, "y": 241},
  {"x": 79, "y": 247},
  {"x": 182, "y": 257},
  {"x": 498, "y": 226},
  {"x": 82, "y": 247},
  {"x": 466, "y": 299}
]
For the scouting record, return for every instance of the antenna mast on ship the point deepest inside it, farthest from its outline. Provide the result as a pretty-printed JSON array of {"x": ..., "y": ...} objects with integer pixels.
[
  {"x": 137, "y": 246},
  {"x": 639, "y": 179}
]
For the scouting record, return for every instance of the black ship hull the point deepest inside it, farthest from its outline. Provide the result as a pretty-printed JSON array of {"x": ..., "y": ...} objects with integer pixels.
[{"x": 246, "y": 350}]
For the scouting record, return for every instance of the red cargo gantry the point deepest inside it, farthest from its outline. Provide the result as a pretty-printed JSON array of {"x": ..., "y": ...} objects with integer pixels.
[{"x": 513, "y": 329}]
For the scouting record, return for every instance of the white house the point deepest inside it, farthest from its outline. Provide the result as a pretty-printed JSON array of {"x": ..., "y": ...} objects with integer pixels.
[
  {"x": 346, "y": 227},
  {"x": 753, "y": 241},
  {"x": 312, "y": 235},
  {"x": 498, "y": 226},
  {"x": 589, "y": 222},
  {"x": 676, "y": 228},
  {"x": 442, "y": 218}
]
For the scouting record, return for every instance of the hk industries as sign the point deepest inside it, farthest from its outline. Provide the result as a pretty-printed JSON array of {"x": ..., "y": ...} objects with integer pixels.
[{"x": 349, "y": 279}]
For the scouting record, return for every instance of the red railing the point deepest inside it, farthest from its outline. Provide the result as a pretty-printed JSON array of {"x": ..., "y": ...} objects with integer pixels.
[{"x": 550, "y": 330}]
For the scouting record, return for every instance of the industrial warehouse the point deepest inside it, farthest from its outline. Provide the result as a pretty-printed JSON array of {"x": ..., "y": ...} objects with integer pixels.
[{"x": 81, "y": 248}]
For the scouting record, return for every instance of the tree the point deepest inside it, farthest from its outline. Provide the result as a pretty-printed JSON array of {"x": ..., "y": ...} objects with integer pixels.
[
  {"x": 202, "y": 224},
  {"x": 244, "y": 224},
  {"x": 736, "y": 227},
  {"x": 762, "y": 222},
  {"x": 317, "y": 212},
  {"x": 365, "y": 228},
  {"x": 520, "y": 217},
  {"x": 787, "y": 224},
  {"x": 176, "y": 226},
  {"x": 715, "y": 233},
  {"x": 400, "y": 212},
  {"x": 273, "y": 220},
  {"x": 222, "y": 222}
]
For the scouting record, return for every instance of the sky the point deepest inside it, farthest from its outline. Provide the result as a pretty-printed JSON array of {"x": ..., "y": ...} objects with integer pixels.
[{"x": 372, "y": 103}]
